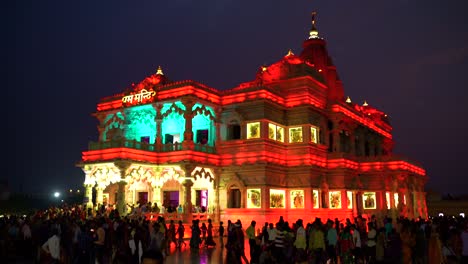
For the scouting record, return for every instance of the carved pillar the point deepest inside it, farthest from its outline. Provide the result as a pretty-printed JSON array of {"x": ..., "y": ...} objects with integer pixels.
[
  {"x": 359, "y": 204},
  {"x": 355, "y": 206},
  {"x": 379, "y": 147},
  {"x": 188, "y": 200},
  {"x": 324, "y": 137},
  {"x": 336, "y": 140},
  {"x": 188, "y": 115},
  {"x": 101, "y": 133},
  {"x": 393, "y": 204},
  {"x": 121, "y": 198},
  {"x": 158, "y": 119},
  {"x": 157, "y": 195},
  {"x": 325, "y": 196},
  {"x": 362, "y": 144},
  {"x": 122, "y": 166},
  {"x": 371, "y": 147},
  {"x": 88, "y": 198},
  {"x": 416, "y": 205},
  {"x": 344, "y": 199},
  {"x": 352, "y": 143},
  {"x": 382, "y": 205},
  {"x": 424, "y": 205},
  {"x": 216, "y": 193},
  {"x": 99, "y": 195}
]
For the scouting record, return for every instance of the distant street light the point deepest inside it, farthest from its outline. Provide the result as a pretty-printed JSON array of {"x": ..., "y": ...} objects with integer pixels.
[{"x": 56, "y": 194}]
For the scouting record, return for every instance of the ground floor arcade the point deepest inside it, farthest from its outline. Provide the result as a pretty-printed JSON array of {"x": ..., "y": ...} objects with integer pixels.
[{"x": 199, "y": 189}]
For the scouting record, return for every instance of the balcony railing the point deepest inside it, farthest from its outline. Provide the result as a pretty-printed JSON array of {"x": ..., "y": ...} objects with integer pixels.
[{"x": 150, "y": 147}]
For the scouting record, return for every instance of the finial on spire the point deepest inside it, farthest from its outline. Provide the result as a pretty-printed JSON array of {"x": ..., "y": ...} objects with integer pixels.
[
  {"x": 348, "y": 100},
  {"x": 290, "y": 53},
  {"x": 264, "y": 68},
  {"x": 159, "y": 71},
  {"x": 313, "y": 33},
  {"x": 365, "y": 103}
]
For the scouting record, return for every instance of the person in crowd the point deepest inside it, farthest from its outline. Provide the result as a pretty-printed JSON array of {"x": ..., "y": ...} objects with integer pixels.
[
  {"x": 99, "y": 241},
  {"x": 52, "y": 247},
  {"x": 195, "y": 240},
  {"x": 371, "y": 243},
  {"x": 171, "y": 234},
  {"x": 209, "y": 242},
  {"x": 331, "y": 241},
  {"x": 346, "y": 246},
  {"x": 300, "y": 242},
  {"x": 204, "y": 229},
  {"x": 180, "y": 235},
  {"x": 250, "y": 232},
  {"x": 221, "y": 234},
  {"x": 317, "y": 242}
]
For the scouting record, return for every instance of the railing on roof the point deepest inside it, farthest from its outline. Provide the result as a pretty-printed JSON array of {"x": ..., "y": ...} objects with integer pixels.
[{"x": 134, "y": 144}]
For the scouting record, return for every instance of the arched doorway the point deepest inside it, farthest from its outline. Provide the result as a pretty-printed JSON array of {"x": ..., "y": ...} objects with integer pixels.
[{"x": 171, "y": 195}]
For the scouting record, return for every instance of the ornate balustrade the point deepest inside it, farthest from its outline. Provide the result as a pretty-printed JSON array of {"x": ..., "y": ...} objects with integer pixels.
[{"x": 134, "y": 144}]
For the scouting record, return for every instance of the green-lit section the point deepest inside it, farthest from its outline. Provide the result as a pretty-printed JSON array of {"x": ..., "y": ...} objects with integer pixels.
[
  {"x": 113, "y": 126},
  {"x": 203, "y": 128},
  {"x": 173, "y": 124},
  {"x": 173, "y": 106},
  {"x": 140, "y": 123}
]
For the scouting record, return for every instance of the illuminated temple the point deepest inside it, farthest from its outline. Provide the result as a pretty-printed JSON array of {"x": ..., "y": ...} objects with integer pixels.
[{"x": 286, "y": 143}]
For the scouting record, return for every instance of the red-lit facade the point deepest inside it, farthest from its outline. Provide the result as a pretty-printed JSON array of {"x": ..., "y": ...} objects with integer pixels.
[{"x": 287, "y": 143}]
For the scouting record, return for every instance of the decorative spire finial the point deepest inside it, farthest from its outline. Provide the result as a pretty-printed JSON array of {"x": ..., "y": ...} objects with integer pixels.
[
  {"x": 348, "y": 100},
  {"x": 365, "y": 103},
  {"x": 313, "y": 34},
  {"x": 290, "y": 53},
  {"x": 159, "y": 71}
]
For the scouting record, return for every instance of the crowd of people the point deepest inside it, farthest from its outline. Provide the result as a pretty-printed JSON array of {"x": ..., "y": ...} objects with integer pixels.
[{"x": 70, "y": 234}]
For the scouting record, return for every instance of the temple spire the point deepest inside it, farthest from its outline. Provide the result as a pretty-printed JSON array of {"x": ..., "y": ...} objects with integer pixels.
[
  {"x": 313, "y": 33},
  {"x": 159, "y": 71}
]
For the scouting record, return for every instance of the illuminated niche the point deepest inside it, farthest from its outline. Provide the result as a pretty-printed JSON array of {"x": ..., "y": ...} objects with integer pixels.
[
  {"x": 254, "y": 198},
  {"x": 387, "y": 198},
  {"x": 315, "y": 199},
  {"x": 141, "y": 124},
  {"x": 297, "y": 199},
  {"x": 349, "y": 195},
  {"x": 203, "y": 127},
  {"x": 253, "y": 130},
  {"x": 173, "y": 124},
  {"x": 277, "y": 198},
  {"x": 275, "y": 132},
  {"x": 369, "y": 200},
  {"x": 295, "y": 134},
  {"x": 314, "y": 134},
  {"x": 334, "y": 199}
]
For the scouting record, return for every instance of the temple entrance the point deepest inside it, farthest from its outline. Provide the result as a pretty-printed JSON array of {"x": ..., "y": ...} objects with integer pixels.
[
  {"x": 171, "y": 200},
  {"x": 201, "y": 200},
  {"x": 143, "y": 197}
]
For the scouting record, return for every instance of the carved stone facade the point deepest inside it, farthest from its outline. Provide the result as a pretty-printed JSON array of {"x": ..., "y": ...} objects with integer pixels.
[{"x": 287, "y": 143}]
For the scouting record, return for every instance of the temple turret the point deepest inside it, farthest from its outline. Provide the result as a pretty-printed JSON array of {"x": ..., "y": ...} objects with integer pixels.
[{"x": 315, "y": 52}]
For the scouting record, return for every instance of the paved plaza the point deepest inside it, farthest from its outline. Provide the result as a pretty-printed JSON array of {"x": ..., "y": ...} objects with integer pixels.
[{"x": 214, "y": 255}]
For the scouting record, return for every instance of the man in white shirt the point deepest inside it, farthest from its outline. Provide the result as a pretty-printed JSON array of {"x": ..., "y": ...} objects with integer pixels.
[
  {"x": 357, "y": 242},
  {"x": 52, "y": 246},
  {"x": 371, "y": 243}
]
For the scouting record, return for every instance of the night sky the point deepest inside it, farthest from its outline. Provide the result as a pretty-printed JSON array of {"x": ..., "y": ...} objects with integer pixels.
[{"x": 408, "y": 58}]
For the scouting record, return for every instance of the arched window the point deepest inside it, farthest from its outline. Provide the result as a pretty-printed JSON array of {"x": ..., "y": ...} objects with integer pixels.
[
  {"x": 234, "y": 197},
  {"x": 233, "y": 130}
]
